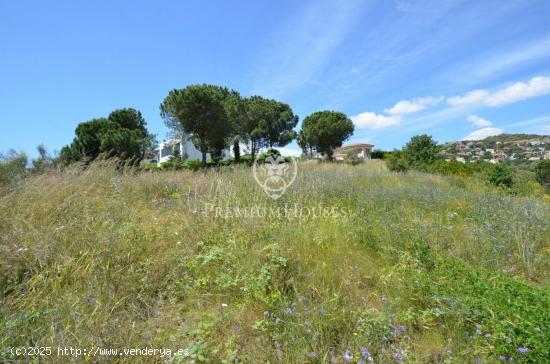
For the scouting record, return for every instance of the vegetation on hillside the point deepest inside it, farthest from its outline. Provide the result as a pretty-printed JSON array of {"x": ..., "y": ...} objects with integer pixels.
[{"x": 409, "y": 267}]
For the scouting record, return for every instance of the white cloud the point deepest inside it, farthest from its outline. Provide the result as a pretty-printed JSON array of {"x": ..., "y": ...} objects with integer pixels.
[
  {"x": 471, "y": 97},
  {"x": 478, "y": 121},
  {"x": 483, "y": 133},
  {"x": 518, "y": 91},
  {"x": 374, "y": 121},
  {"x": 413, "y": 105}
]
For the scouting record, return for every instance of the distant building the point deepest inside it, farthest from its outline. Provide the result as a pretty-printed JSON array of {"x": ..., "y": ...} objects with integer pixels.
[
  {"x": 185, "y": 148},
  {"x": 362, "y": 150}
]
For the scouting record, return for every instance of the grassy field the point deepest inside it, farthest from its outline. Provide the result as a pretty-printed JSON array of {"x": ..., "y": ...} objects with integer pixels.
[{"x": 412, "y": 268}]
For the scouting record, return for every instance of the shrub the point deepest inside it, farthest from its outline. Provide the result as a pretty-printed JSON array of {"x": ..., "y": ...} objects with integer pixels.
[
  {"x": 173, "y": 164},
  {"x": 193, "y": 165},
  {"x": 501, "y": 175},
  {"x": 13, "y": 167},
  {"x": 377, "y": 154},
  {"x": 542, "y": 172},
  {"x": 421, "y": 151},
  {"x": 452, "y": 168},
  {"x": 396, "y": 162},
  {"x": 352, "y": 158}
]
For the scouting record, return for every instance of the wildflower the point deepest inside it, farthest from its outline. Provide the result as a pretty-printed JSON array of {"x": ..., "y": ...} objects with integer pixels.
[
  {"x": 449, "y": 351},
  {"x": 347, "y": 356},
  {"x": 266, "y": 313},
  {"x": 312, "y": 354},
  {"x": 437, "y": 310},
  {"x": 522, "y": 350},
  {"x": 399, "y": 356},
  {"x": 288, "y": 311},
  {"x": 478, "y": 329},
  {"x": 278, "y": 320},
  {"x": 402, "y": 328},
  {"x": 364, "y": 352},
  {"x": 487, "y": 335},
  {"x": 322, "y": 312},
  {"x": 501, "y": 358}
]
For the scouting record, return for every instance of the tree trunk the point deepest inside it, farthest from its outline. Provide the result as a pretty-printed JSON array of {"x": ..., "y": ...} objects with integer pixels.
[
  {"x": 236, "y": 151},
  {"x": 329, "y": 155}
]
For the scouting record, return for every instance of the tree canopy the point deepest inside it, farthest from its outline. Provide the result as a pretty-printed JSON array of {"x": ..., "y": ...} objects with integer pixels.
[
  {"x": 325, "y": 131},
  {"x": 123, "y": 134},
  {"x": 421, "y": 151},
  {"x": 268, "y": 123},
  {"x": 201, "y": 112}
]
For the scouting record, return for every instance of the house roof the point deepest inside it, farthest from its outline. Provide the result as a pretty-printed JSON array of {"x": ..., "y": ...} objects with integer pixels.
[{"x": 353, "y": 146}]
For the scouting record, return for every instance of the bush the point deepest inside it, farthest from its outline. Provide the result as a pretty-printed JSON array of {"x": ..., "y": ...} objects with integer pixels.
[
  {"x": 13, "y": 167},
  {"x": 352, "y": 158},
  {"x": 452, "y": 168},
  {"x": 192, "y": 164},
  {"x": 173, "y": 164},
  {"x": 421, "y": 151},
  {"x": 542, "y": 172},
  {"x": 396, "y": 162},
  {"x": 377, "y": 154},
  {"x": 501, "y": 175}
]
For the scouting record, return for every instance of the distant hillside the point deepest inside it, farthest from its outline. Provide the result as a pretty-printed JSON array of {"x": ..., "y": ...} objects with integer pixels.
[{"x": 511, "y": 147}]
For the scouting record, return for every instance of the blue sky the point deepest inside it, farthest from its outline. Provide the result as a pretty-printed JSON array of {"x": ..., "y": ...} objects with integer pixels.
[{"x": 452, "y": 69}]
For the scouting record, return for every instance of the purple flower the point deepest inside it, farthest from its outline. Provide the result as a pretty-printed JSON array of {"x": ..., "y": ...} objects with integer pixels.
[
  {"x": 266, "y": 313},
  {"x": 364, "y": 352},
  {"x": 361, "y": 361},
  {"x": 523, "y": 350},
  {"x": 347, "y": 356},
  {"x": 322, "y": 312},
  {"x": 312, "y": 354},
  {"x": 478, "y": 329},
  {"x": 399, "y": 356},
  {"x": 402, "y": 328},
  {"x": 278, "y": 320},
  {"x": 288, "y": 311},
  {"x": 449, "y": 351}
]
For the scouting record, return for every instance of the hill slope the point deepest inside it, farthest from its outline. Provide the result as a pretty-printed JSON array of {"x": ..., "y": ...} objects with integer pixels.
[
  {"x": 414, "y": 268},
  {"x": 504, "y": 147}
]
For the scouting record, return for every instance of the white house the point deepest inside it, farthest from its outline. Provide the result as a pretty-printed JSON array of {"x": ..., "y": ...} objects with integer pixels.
[
  {"x": 186, "y": 149},
  {"x": 361, "y": 150}
]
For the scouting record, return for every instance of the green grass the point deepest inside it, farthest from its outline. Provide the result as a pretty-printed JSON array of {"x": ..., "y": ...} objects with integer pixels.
[{"x": 434, "y": 269}]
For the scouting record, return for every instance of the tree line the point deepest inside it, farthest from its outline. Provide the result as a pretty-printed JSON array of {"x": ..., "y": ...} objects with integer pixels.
[{"x": 214, "y": 118}]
